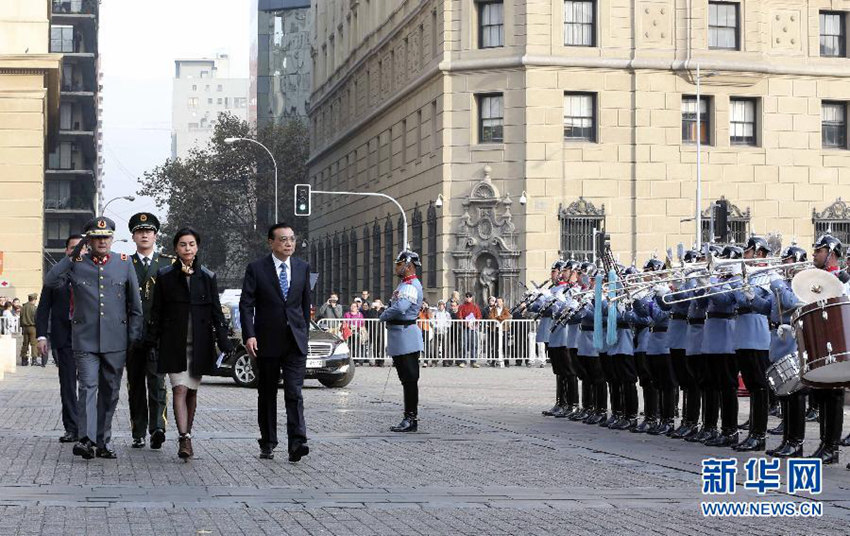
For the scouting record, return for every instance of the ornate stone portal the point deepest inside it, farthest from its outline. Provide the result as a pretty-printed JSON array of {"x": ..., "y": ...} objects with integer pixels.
[{"x": 486, "y": 252}]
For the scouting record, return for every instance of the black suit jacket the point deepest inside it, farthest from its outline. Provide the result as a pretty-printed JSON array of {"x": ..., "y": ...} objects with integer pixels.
[
  {"x": 263, "y": 312},
  {"x": 173, "y": 302},
  {"x": 53, "y": 316}
]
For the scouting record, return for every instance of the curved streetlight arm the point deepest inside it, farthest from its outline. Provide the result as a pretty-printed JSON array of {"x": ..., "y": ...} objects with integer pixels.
[
  {"x": 125, "y": 197},
  {"x": 229, "y": 141},
  {"x": 374, "y": 194}
]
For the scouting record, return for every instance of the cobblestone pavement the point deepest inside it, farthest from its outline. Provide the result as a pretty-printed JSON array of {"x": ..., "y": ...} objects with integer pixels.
[{"x": 485, "y": 462}]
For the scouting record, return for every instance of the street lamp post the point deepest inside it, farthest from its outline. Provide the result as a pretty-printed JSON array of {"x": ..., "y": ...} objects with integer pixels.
[
  {"x": 231, "y": 141},
  {"x": 130, "y": 198}
]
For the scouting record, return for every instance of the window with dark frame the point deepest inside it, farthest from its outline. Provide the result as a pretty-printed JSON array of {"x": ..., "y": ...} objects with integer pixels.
[
  {"x": 432, "y": 245},
  {"x": 389, "y": 257},
  {"x": 742, "y": 122},
  {"x": 491, "y": 24},
  {"x": 833, "y": 34},
  {"x": 580, "y": 116},
  {"x": 376, "y": 259},
  {"x": 723, "y": 26},
  {"x": 689, "y": 120},
  {"x": 352, "y": 261},
  {"x": 834, "y": 125},
  {"x": 367, "y": 258},
  {"x": 577, "y": 222},
  {"x": 490, "y": 118},
  {"x": 61, "y": 38},
  {"x": 579, "y": 23},
  {"x": 343, "y": 272},
  {"x": 416, "y": 242}
]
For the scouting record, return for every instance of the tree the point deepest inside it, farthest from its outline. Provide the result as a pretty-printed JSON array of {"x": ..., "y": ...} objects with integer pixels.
[{"x": 227, "y": 192}]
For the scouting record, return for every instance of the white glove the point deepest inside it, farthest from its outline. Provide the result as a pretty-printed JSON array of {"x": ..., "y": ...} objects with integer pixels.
[
  {"x": 784, "y": 331},
  {"x": 703, "y": 281},
  {"x": 621, "y": 308},
  {"x": 750, "y": 294},
  {"x": 661, "y": 289}
]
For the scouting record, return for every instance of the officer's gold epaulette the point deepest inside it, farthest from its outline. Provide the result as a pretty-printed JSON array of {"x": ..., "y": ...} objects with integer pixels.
[{"x": 172, "y": 258}]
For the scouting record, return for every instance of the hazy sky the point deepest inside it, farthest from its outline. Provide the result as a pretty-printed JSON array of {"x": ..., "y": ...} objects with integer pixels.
[{"x": 139, "y": 42}]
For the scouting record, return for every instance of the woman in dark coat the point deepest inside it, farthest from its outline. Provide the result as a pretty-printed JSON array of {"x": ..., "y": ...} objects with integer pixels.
[{"x": 185, "y": 324}]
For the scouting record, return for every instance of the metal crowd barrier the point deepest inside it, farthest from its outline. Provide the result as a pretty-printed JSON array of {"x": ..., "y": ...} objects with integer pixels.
[
  {"x": 9, "y": 326},
  {"x": 449, "y": 342}
]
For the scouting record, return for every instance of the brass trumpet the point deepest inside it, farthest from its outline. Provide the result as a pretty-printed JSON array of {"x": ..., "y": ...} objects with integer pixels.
[{"x": 744, "y": 278}]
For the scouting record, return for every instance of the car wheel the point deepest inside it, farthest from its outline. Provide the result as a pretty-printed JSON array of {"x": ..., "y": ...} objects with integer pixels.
[
  {"x": 245, "y": 371},
  {"x": 340, "y": 381}
]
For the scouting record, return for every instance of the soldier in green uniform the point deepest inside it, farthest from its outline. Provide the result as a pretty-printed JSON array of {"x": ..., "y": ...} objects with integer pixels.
[
  {"x": 27, "y": 321},
  {"x": 145, "y": 388}
]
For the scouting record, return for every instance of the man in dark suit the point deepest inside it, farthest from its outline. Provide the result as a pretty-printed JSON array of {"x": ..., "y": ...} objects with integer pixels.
[
  {"x": 53, "y": 319},
  {"x": 274, "y": 310}
]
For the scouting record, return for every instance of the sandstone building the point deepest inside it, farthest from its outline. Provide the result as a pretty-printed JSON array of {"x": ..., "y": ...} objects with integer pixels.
[{"x": 588, "y": 108}]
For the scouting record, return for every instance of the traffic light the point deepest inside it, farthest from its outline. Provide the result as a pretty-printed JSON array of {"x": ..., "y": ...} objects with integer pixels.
[{"x": 302, "y": 199}]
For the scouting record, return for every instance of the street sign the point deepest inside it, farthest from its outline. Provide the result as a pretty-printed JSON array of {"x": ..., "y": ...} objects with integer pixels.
[{"x": 4, "y": 283}]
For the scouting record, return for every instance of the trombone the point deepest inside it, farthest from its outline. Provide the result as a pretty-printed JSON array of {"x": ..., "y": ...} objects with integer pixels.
[{"x": 745, "y": 278}]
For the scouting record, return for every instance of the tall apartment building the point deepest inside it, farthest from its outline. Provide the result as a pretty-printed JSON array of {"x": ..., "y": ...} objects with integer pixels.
[
  {"x": 588, "y": 108},
  {"x": 29, "y": 117},
  {"x": 72, "y": 178},
  {"x": 281, "y": 66},
  {"x": 203, "y": 89}
]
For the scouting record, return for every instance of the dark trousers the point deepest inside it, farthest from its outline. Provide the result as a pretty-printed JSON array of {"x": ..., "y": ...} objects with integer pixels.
[
  {"x": 146, "y": 393},
  {"x": 626, "y": 372},
  {"x": 753, "y": 365},
  {"x": 724, "y": 370},
  {"x": 831, "y": 415},
  {"x": 794, "y": 415},
  {"x": 67, "y": 388},
  {"x": 665, "y": 380},
  {"x": 292, "y": 367},
  {"x": 99, "y": 384},
  {"x": 407, "y": 367},
  {"x": 596, "y": 379},
  {"x": 648, "y": 387},
  {"x": 685, "y": 372}
]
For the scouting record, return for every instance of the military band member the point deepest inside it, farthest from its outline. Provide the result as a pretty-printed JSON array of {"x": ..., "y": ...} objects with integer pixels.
[
  {"x": 622, "y": 356},
  {"x": 659, "y": 360},
  {"x": 540, "y": 308},
  {"x": 827, "y": 251},
  {"x": 404, "y": 338},
  {"x": 783, "y": 343},
  {"x": 685, "y": 368},
  {"x": 597, "y": 411},
  {"x": 557, "y": 349},
  {"x": 641, "y": 322},
  {"x": 107, "y": 318},
  {"x": 145, "y": 388},
  {"x": 576, "y": 367},
  {"x": 701, "y": 363},
  {"x": 752, "y": 344}
]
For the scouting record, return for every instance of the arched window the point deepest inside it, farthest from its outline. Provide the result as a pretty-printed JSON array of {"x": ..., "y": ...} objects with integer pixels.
[
  {"x": 376, "y": 258},
  {"x": 578, "y": 220},
  {"x": 367, "y": 258},
  {"x": 432, "y": 245},
  {"x": 319, "y": 245},
  {"x": 835, "y": 219},
  {"x": 389, "y": 258},
  {"x": 416, "y": 242},
  {"x": 327, "y": 269},
  {"x": 352, "y": 263},
  {"x": 345, "y": 297}
]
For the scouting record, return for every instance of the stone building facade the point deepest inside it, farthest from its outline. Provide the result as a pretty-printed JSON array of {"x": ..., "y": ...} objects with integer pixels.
[
  {"x": 30, "y": 78},
  {"x": 588, "y": 108}
]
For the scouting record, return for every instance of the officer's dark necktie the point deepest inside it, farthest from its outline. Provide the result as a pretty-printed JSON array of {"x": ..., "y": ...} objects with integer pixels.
[
  {"x": 147, "y": 263},
  {"x": 284, "y": 281}
]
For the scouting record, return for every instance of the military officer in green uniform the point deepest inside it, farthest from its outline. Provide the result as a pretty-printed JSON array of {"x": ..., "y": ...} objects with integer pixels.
[{"x": 145, "y": 388}]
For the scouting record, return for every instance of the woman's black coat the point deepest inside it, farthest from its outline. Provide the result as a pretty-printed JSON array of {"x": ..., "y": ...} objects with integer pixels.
[{"x": 173, "y": 299}]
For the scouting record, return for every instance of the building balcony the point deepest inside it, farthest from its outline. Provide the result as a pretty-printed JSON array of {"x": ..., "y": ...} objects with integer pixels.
[
  {"x": 62, "y": 8},
  {"x": 69, "y": 205}
]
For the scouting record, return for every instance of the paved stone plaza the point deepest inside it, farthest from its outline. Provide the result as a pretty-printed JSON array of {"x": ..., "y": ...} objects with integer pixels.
[{"x": 486, "y": 462}]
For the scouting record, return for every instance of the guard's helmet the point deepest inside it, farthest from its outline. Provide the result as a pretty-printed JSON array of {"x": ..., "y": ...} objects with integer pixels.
[
  {"x": 796, "y": 253},
  {"x": 692, "y": 255},
  {"x": 630, "y": 270},
  {"x": 570, "y": 265},
  {"x": 653, "y": 265},
  {"x": 715, "y": 249},
  {"x": 406, "y": 257},
  {"x": 757, "y": 243},
  {"x": 558, "y": 265},
  {"x": 830, "y": 242},
  {"x": 732, "y": 252},
  {"x": 588, "y": 268}
]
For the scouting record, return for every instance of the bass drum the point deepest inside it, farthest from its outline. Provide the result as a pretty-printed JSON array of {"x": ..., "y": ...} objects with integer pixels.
[
  {"x": 823, "y": 342},
  {"x": 784, "y": 375}
]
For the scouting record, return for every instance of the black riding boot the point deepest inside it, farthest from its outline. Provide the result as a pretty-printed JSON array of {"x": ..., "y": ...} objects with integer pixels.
[
  {"x": 559, "y": 398},
  {"x": 759, "y": 407},
  {"x": 650, "y": 410}
]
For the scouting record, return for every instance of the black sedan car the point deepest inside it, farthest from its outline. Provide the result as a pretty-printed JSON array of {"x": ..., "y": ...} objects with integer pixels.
[{"x": 328, "y": 358}]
